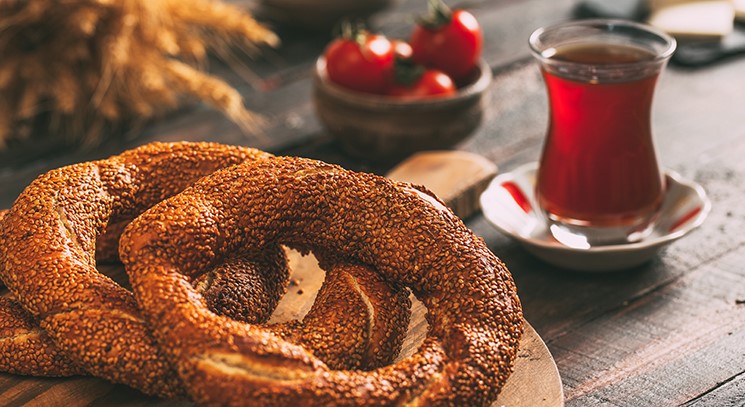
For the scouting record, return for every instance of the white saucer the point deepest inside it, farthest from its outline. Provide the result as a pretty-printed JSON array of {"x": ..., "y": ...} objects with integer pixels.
[{"x": 508, "y": 203}]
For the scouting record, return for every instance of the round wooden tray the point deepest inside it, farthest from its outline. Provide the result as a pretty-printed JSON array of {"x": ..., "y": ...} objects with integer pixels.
[{"x": 535, "y": 381}]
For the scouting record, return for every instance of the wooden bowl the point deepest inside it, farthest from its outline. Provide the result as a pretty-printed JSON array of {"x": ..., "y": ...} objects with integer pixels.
[{"x": 384, "y": 128}]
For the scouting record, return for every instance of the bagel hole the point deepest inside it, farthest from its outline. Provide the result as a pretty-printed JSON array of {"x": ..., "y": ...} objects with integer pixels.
[
  {"x": 305, "y": 281},
  {"x": 116, "y": 272},
  {"x": 417, "y": 330},
  {"x": 306, "y": 278}
]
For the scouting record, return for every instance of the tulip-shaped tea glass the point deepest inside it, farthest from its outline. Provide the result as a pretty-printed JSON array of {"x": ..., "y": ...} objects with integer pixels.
[{"x": 599, "y": 180}]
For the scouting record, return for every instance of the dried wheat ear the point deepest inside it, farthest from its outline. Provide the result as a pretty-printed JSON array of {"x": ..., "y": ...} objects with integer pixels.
[{"x": 85, "y": 65}]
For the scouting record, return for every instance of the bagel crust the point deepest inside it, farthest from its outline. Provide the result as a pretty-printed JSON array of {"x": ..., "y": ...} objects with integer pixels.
[
  {"x": 21, "y": 339},
  {"x": 402, "y": 232},
  {"x": 48, "y": 255}
]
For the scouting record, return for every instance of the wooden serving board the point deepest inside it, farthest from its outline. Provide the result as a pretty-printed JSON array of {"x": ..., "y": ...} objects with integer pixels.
[{"x": 535, "y": 381}]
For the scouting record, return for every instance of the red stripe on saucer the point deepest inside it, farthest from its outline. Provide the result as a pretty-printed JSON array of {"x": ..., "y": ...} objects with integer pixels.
[
  {"x": 518, "y": 196},
  {"x": 685, "y": 218}
]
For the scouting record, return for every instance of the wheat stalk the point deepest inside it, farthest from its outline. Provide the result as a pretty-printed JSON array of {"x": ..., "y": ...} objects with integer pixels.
[{"x": 87, "y": 64}]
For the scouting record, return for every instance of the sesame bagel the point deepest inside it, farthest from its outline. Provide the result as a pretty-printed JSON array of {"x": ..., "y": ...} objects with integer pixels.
[
  {"x": 48, "y": 255},
  {"x": 402, "y": 232},
  {"x": 72, "y": 319}
]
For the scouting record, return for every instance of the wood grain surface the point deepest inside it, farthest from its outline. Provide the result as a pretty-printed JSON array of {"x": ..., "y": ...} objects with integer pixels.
[{"x": 669, "y": 332}]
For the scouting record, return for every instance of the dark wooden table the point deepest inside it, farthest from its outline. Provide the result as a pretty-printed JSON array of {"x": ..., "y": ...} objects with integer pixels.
[{"x": 667, "y": 333}]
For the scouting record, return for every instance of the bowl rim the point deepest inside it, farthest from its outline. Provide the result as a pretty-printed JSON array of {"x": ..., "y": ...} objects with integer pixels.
[{"x": 472, "y": 90}]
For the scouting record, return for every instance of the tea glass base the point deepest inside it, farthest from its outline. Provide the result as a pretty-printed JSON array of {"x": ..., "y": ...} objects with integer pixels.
[{"x": 585, "y": 237}]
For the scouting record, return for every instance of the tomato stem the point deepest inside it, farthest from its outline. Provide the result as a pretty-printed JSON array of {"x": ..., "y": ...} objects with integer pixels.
[
  {"x": 406, "y": 72},
  {"x": 438, "y": 15},
  {"x": 353, "y": 30}
]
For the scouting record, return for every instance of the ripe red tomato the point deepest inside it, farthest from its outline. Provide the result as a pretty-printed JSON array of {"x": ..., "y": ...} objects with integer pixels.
[
  {"x": 401, "y": 49},
  {"x": 431, "y": 83},
  {"x": 362, "y": 64},
  {"x": 448, "y": 40}
]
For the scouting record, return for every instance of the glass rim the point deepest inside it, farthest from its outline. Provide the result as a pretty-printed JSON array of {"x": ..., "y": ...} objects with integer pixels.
[{"x": 663, "y": 55}]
